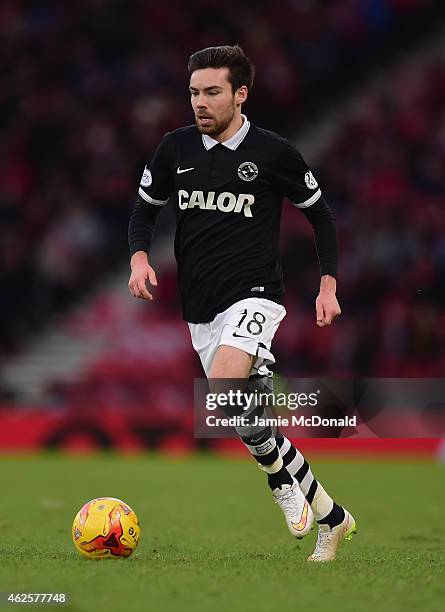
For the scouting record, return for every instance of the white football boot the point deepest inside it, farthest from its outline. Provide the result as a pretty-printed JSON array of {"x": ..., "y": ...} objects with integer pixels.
[
  {"x": 329, "y": 539},
  {"x": 297, "y": 512}
]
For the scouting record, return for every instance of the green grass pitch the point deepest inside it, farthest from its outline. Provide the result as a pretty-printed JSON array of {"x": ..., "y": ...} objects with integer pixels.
[{"x": 212, "y": 539}]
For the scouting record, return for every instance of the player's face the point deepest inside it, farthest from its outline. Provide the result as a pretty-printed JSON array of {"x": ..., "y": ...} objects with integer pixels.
[{"x": 214, "y": 103}]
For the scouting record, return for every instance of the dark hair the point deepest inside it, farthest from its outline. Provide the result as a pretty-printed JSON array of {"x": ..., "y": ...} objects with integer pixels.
[{"x": 241, "y": 69}]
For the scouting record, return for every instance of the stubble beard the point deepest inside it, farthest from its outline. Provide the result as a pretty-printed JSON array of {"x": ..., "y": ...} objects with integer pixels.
[{"x": 218, "y": 128}]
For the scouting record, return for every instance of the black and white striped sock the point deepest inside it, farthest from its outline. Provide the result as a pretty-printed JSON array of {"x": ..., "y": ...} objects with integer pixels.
[
  {"x": 264, "y": 449},
  {"x": 260, "y": 440},
  {"x": 323, "y": 506}
]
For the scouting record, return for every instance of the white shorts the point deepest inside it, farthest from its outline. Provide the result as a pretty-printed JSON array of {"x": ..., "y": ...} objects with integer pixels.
[{"x": 249, "y": 325}]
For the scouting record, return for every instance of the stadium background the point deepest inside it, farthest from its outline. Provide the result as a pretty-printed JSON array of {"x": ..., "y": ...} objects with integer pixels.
[{"x": 90, "y": 88}]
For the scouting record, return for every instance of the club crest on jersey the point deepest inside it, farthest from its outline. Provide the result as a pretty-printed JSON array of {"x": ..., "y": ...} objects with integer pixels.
[
  {"x": 146, "y": 179},
  {"x": 310, "y": 181},
  {"x": 247, "y": 171}
]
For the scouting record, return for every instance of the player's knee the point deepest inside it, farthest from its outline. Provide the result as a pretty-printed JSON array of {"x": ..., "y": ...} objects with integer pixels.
[
  {"x": 260, "y": 384},
  {"x": 256, "y": 411}
]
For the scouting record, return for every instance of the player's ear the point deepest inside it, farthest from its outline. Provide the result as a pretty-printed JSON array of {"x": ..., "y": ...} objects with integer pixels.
[{"x": 241, "y": 94}]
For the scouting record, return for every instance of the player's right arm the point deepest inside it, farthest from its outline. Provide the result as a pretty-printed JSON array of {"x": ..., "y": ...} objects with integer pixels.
[
  {"x": 141, "y": 271},
  {"x": 154, "y": 191}
]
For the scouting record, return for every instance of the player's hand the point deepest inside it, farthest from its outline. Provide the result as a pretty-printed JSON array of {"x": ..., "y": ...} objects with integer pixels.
[
  {"x": 141, "y": 272},
  {"x": 327, "y": 307}
]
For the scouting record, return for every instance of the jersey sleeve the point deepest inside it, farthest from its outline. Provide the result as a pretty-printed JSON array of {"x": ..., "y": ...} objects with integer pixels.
[
  {"x": 295, "y": 179},
  {"x": 157, "y": 183},
  {"x": 322, "y": 219}
]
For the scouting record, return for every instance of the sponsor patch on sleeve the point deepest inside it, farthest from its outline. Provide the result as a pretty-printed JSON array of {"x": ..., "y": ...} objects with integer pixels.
[
  {"x": 310, "y": 181},
  {"x": 146, "y": 179}
]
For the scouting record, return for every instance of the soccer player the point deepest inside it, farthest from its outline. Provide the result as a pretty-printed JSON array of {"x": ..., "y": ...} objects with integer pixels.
[{"x": 226, "y": 179}]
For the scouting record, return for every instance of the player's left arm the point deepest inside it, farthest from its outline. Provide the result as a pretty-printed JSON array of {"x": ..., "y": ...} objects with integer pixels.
[
  {"x": 322, "y": 219},
  {"x": 299, "y": 184}
]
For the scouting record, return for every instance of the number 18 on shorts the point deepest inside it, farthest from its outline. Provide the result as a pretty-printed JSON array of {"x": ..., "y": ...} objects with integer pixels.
[{"x": 249, "y": 325}]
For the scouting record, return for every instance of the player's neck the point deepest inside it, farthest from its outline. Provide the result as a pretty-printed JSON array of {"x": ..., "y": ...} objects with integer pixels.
[{"x": 232, "y": 128}]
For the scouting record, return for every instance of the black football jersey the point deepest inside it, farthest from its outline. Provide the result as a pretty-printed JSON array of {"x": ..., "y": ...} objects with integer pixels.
[{"x": 228, "y": 200}]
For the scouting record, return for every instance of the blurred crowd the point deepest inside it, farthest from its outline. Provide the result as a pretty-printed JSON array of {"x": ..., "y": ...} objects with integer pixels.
[
  {"x": 92, "y": 85},
  {"x": 384, "y": 176}
]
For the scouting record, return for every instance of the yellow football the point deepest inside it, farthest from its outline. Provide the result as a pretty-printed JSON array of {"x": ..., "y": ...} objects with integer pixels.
[{"x": 106, "y": 528}]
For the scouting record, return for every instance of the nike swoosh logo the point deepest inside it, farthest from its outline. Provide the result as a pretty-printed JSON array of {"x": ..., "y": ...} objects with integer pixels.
[
  {"x": 179, "y": 171},
  {"x": 302, "y": 524},
  {"x": 235, "y": 335}
]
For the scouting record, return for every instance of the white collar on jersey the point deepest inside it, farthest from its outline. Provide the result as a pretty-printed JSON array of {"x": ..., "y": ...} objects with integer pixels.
[{"x": 232, "y": 143}]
